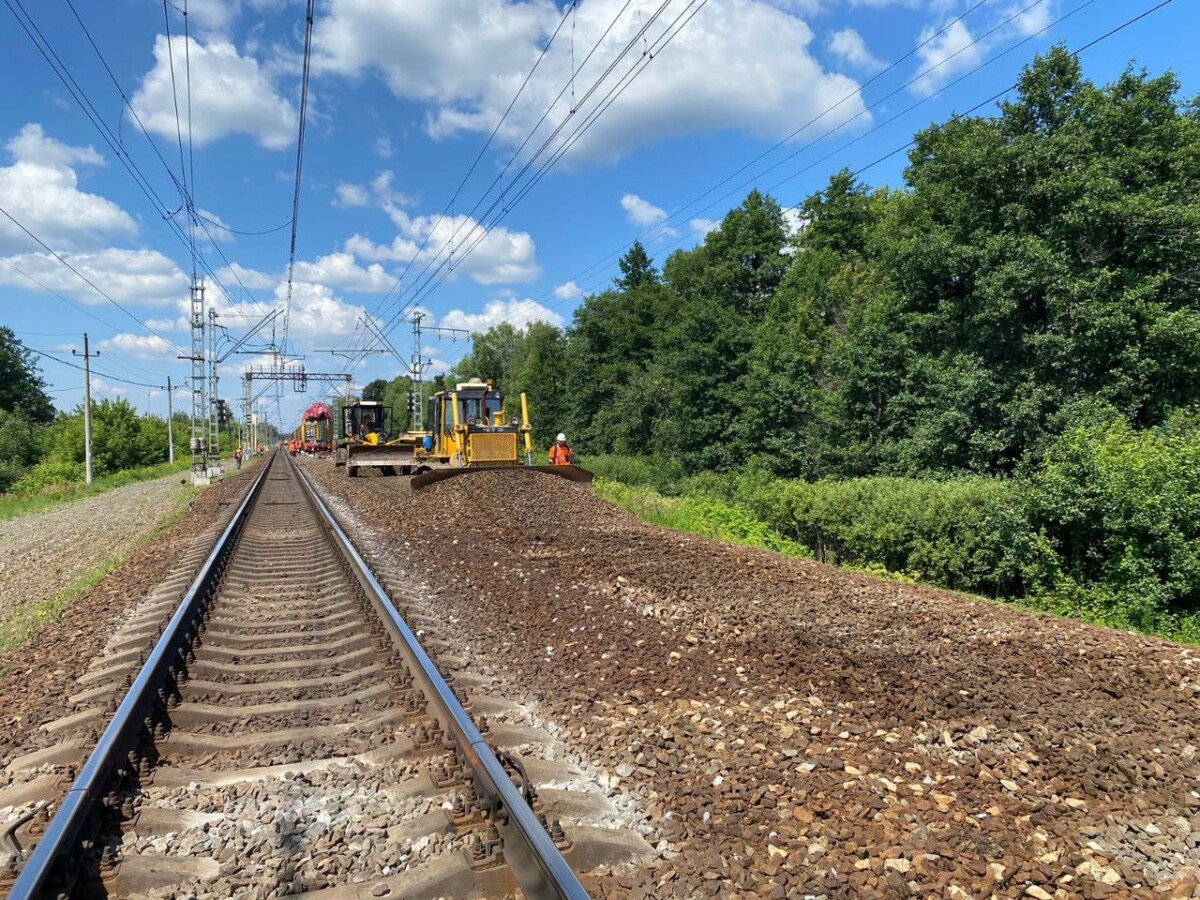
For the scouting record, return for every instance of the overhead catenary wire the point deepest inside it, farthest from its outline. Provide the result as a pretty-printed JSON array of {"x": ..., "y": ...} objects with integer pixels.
[
  {"x": 84, "y": 278},
  {"x": 393, "y": 317},
  {"x": 679, "y": 213},
  {"x": 478, "y": 157},
  {"x": 188, "y": 202},
  {"x": 244, "y": 231},
  {"x": 308, "y": 32},
  {"x": 614, "y": 93},
  {"x": 420, "y": 288},
  {"x": 833, "y": 130},
  {"x": 513, "y": 313},
  {"x": 42, "y": 44}
]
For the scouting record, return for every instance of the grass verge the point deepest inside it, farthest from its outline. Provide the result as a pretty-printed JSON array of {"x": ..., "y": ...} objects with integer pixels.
[
  {"x": 22, "y": 623},
  {"x": 713, "y": 518},
  {"x": 698, "y": 515},
  {"x": 14, "y": 505}
]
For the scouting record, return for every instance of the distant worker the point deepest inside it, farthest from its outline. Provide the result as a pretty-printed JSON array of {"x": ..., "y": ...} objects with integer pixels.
[
  {"x": 561, "y": 453},
  {"x": 261, "y": 449},
  {"x": 237, "y": 456},
  {"x": 292, "y": 447}
]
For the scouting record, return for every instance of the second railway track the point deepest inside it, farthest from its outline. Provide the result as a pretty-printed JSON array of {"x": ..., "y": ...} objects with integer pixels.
[{"x": 288, "y": 735}]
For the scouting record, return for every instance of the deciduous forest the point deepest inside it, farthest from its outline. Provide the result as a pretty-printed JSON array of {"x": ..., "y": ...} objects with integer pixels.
[{"x": 985, "y": 378}]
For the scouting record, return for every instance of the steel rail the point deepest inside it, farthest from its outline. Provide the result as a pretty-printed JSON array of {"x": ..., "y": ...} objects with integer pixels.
[
  {"x": 530, "y": 853},
  {"x": 60, "y": 843}
]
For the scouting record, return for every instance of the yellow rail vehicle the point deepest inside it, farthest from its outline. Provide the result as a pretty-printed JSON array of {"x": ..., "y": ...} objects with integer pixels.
[{"x": 470, "y": 429}]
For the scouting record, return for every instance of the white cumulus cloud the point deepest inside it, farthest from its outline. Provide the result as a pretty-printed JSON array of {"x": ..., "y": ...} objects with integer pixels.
[
  {"x": 738, "y": 64},
  {"x": 517, "y": 313},
  {"x": 948, "y": 54},
  {"x": 230, "y": 93},
  {"x": 848, "y": 45},
  {"x": 336, "y": 270},
  {"x": 641, "y": 212},
  {"x": 144, "y": 347},
  {"x": 350, "y": 196},
  {"x": 340, "y": 270},
  {"x": 499, "y": 256},
  {"x": 41, "y": 190},
  {"x": 143, "y": 277},
  {"x": 251, "y": 278},
  {"x": 568, "y": 291}
]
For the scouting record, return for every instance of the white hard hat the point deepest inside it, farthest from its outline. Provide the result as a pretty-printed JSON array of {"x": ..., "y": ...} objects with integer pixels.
[{"x": 560, "y": 437}]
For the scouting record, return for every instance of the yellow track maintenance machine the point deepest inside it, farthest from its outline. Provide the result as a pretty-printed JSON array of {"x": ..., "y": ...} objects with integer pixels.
[
  {"x": 470, "y": 430},
  {"x": 365, "y": 442}
]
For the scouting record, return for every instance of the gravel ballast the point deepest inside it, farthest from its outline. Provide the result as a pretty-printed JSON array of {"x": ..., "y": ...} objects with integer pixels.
[{"x": 791, "y": 729}]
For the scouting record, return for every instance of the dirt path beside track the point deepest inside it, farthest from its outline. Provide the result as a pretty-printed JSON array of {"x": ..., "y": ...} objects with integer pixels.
[
  {"x": 793, "y": 729},
  {"x": 36, "y": 679},
  {"x": 43, "y": 553}
]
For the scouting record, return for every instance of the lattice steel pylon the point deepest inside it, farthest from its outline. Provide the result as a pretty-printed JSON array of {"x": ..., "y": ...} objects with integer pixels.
[
  {"x": 199, "y": 439},
  {"x": 214, "y": 424}
]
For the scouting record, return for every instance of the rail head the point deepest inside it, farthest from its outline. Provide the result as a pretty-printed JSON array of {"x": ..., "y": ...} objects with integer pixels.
[
  {"x": 535, "y": 861},
  {"x": 60, "y": 843}
]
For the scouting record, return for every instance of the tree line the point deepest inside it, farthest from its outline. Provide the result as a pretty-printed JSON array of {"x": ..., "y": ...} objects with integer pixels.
[
  {"x": 1024, "y": 308},
  {"x": 41, "y": 446}
]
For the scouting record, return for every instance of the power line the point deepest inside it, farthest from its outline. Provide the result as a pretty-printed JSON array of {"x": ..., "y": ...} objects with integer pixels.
[
  {"x": 94, "y": 372},
  {"x": 87, "y": 312},
  {"x": 1087, "y": 46},
  {"x": 394, "y": 317},
  {"x": 308, "y": 31},
  {"x": 42, "y": 44},
  {"x": 611, "y": 97},
  {"x": 796, "y": 132},
  {"x": 658, "y": 227},
  {"x": 179, "y": 136},
  {"x": 696, "y": 231},
  {"x": 996, "y": 96},
  {"x": 437, "y": 277},
  {"x": 479, "y": 156},
  {"x": 83, "y": 277}
]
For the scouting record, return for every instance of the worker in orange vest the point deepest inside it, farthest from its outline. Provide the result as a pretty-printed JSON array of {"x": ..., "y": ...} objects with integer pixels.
[
  {"x": 237, "y": 455},
  {"x": 561, "y": 453}
]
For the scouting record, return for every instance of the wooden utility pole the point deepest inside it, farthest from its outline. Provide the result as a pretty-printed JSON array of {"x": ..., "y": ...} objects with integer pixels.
[
  {"x": 170, "y": 429},
  {"x": 87, "y": 405}
]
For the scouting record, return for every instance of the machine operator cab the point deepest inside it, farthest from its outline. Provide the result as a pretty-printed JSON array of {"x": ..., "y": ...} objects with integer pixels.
[
  {"x": 366, "y": 422},
  {"x": 471, "y": 426}
]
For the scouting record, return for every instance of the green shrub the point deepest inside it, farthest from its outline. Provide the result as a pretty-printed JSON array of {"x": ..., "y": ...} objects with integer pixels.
[
  {"x": 972, "y": 534},
  {"x": 1122, "y": 509},
  {"x": 48, "y": 475},
  {"x": 1106, "y": 529},
  {"x": 704, "y": 516},
  {"x": 663, "y": 475}
]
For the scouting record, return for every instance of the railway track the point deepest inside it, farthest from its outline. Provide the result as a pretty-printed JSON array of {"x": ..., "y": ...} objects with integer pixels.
[{"x": 287, "y": 734}]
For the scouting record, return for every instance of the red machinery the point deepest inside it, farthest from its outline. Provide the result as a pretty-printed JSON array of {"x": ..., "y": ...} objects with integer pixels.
[{"x": 315, "y": 434}]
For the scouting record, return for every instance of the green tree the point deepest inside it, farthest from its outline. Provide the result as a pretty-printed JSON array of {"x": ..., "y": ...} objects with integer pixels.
[
  {"x": 725, "y": 287},
  {"x": 21, "y": 385}
]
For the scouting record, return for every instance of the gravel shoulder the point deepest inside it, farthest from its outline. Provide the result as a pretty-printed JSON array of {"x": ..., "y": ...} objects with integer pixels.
[
  {"x": 45, "y": 553},
  {"x": 793, "y": 729},
  {"x": 36, "y": 678}
]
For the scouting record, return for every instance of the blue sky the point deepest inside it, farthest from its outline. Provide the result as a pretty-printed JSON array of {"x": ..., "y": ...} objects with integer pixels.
[{"x": 403, "y": 96}]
